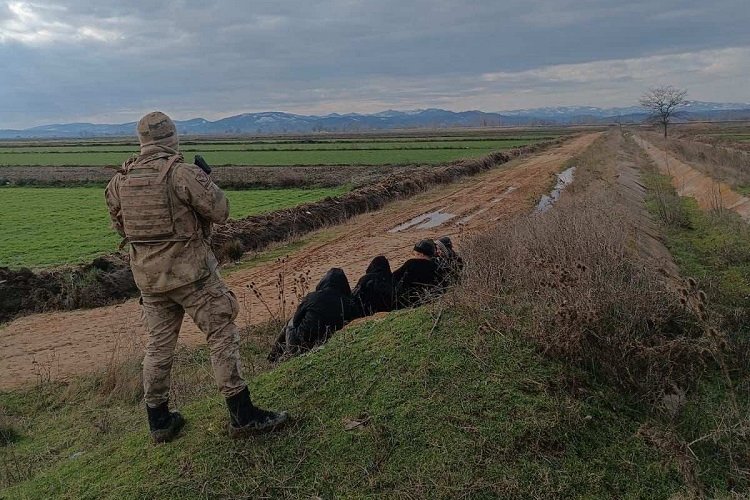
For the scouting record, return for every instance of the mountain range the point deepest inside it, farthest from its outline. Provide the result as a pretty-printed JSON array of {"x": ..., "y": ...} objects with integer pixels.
[{"x": 268, "y": 123}]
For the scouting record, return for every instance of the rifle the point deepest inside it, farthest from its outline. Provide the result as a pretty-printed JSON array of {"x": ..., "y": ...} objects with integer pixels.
[{"x": 202, "y": 163}]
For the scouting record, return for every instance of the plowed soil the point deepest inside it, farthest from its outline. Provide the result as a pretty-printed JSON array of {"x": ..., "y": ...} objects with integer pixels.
[
  {"x": 61, "y": 344},
  {"x": 688, "y": 181}
]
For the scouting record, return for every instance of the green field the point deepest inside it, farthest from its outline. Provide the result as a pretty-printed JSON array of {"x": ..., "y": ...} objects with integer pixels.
[
  {"x": 733, "y": 136},
  {"x": 724, "y": 134},
  {"x": 438, "y": 420},
  {"x": 275, "y": 154},
  {"x": 50, "y": 226},
  {"x": 737, "y": 137}
]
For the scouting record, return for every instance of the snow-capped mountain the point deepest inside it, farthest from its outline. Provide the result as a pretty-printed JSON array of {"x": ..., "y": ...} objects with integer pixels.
[{"x": 275, "y": 122}]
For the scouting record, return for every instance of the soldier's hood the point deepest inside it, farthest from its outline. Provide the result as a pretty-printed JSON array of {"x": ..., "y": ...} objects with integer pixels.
[
  {"x": 335, "y": 279},
  {"x": 158, "y": 148},
  {"x": 168, "y": 144},
  {"x": 379, "y": 265}
]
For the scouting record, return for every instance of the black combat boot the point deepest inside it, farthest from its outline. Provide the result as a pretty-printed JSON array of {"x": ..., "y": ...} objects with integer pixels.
[
  {"x": 164, "y": 425},
  {"x": 247, "y": 420}
]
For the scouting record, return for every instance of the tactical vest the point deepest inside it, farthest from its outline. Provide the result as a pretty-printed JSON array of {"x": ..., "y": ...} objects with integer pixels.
[{"x": 146, "y": 200}]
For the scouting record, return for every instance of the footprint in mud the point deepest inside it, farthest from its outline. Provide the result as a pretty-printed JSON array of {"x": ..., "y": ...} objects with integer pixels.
[
  {"x": 466, "y": 219},
  {"x": 505, "y": 194},
  {"x": 425, "y": 221}
]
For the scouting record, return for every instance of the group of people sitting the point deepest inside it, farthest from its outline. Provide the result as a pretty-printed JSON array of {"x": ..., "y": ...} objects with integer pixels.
[{"x": 434, "y": 266}]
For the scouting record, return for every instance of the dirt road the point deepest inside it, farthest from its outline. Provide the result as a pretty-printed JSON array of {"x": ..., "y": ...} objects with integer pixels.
[
  {"x": 688, "y": 181},
  {"x": 60, "y": 344}
]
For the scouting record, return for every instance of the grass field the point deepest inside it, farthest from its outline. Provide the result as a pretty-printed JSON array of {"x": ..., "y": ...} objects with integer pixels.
[
  {"x": 729, "y": 137},
  {"x": 287, "y": 153},
  {"x": 726, "y": 135},
  {"x": 209, "y": 146},
  {"x": 462, "y": 398},
  {"x": 50, "y": 226},
  {"x": 437, "y": 421}
]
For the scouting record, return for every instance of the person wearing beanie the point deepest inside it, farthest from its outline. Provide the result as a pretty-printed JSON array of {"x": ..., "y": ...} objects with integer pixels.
[
  {"x": 417, "y": 279},
  {"x": 447, "y": 243},
  {"x": 374, "y": 290},
  {"x": 425, "y": 248},
  {"x": 163, "y": 207},
  {"x": 318, "y": 316}
]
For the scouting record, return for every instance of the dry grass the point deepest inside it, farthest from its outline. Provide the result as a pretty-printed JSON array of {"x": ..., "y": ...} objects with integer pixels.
[
  {"x": 233, "y": 250},
  {"x": 8, "y": 433},
  {"x": 718, "y": 162},
  {"x": 584, "y": 296},
  {"x": 574, "y": 281}
]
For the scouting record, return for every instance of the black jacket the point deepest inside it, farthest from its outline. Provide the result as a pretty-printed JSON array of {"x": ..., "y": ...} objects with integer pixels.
[
  {"x": 415, "y": 279},
  {"x": 323, "y": 311},
  {"x": 374, "y": 290}
]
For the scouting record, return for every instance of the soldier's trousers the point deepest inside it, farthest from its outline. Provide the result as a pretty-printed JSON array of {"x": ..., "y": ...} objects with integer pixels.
[{"x": 213, "y": 308}]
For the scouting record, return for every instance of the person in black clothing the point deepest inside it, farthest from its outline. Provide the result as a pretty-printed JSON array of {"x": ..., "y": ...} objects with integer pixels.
[
  {"x": 374, "y": 290},
  {"x": 320, "y": 313},
  {"x": 418, "y": 276},
  {"x": 450, "y": 264}
]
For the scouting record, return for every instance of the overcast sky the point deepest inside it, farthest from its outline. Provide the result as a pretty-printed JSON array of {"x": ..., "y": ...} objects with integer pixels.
[{"x": 110, "y": 61}]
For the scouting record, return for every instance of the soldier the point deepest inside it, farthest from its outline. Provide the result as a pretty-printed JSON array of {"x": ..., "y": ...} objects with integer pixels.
[{"x": 164, "y": 209}]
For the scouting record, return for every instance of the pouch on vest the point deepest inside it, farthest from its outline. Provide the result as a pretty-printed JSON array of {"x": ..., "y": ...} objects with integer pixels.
[{"x": 146, "y": 202}]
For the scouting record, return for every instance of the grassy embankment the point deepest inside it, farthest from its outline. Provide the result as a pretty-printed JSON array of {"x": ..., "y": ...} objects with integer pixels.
[
  {"x": 713, "y": 248},
  {"x": 429, "y": 412},
  {"x": 721, "y": 163},
  {"x": 52, "y": 226},
  {"x": 499, "y": 390}
]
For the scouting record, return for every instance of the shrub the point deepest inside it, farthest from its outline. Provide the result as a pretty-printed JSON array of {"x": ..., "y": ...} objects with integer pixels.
[
  {"x": 233, "y": 250},
  {"x": 8, "y": 435},
  {"x": 571, "y": 280}
]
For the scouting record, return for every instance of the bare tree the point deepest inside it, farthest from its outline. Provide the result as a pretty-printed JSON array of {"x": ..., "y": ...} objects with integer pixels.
[{"x": 662, "y": 103}]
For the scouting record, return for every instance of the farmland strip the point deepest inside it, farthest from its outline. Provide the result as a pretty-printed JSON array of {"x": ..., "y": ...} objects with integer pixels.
[{"x": 108, "y": 279}]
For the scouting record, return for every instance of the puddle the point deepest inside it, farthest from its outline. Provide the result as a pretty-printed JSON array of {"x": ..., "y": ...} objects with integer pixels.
[
  {"x": 439, "y": 217},
  {"x": 564, "y": 179},
  {"x": 424, "y": 221}
]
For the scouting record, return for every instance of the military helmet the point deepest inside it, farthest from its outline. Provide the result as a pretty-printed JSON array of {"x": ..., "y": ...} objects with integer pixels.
[{"x": 157, "y": 128}]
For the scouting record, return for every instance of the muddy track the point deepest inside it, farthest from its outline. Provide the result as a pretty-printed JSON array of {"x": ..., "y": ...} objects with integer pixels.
[
  {"x": 60, "y": 344},
  {"x": 688, "y": 181}
]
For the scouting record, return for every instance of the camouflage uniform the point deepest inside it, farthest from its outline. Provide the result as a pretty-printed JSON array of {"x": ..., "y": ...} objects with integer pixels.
[{"x": 164, "y": 208}]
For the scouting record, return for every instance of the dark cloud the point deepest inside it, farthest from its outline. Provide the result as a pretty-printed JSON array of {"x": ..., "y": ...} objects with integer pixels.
[{"x": 112, "y": 60}]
